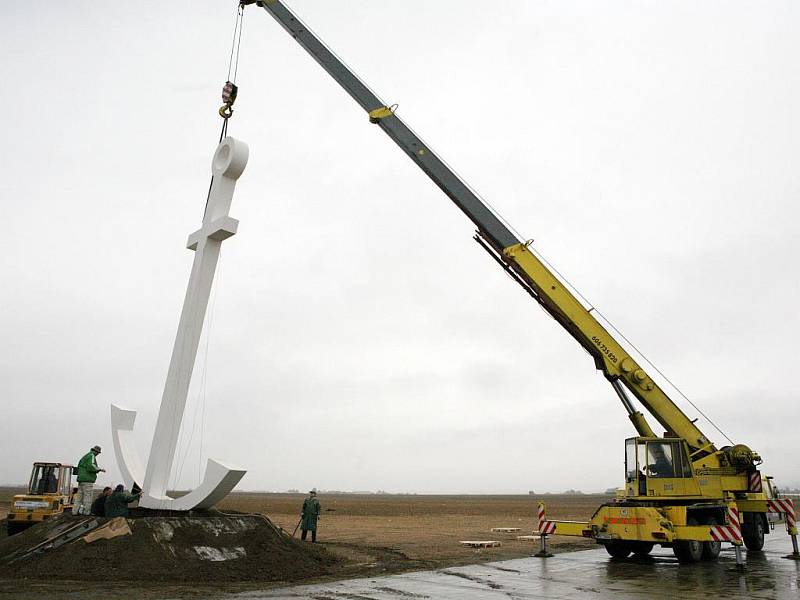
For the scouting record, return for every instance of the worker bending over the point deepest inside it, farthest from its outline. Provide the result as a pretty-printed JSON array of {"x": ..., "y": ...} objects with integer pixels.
[
  {"x": 99, "y": 505},
  {"x": 117, "y": 503}
]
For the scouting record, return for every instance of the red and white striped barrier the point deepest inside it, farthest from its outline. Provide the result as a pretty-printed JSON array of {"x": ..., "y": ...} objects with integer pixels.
[
  {"x": 783, "y": 505},
  {"x": 732, "y": 532},
  {"x": 786, "y": 507},
  {"x": 755, "y": 482},
  {"x": 545, "y": 527}
]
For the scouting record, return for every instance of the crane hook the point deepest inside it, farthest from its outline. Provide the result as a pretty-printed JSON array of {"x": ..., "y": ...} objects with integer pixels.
[{"x": 229, "y": 91}]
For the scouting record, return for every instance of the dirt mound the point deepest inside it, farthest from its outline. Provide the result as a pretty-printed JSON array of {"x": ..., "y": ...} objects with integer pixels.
[{"x": 206, "y": 548}]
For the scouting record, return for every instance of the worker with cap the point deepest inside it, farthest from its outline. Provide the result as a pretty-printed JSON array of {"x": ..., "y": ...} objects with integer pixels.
[
  {"x": 310, "y": 516},
  {"x": 87, "y": 475},
  {"x": 117, "y": 503}
]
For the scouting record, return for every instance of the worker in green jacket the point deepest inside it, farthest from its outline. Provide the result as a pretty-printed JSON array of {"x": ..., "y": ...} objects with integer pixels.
[
  {"x": 117, "y": 503},
  {"x": 310, "y": 516},
  {"x": 87, "y": 475}
]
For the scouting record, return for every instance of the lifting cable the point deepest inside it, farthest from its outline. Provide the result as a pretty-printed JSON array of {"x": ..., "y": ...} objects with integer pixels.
[
  {"x": 230, "y": 90},
  {"x": 590, "y": 307}
]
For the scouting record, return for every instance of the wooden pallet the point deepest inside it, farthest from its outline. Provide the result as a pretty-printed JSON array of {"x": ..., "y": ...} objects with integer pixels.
[
  {"x": 529, "y": 538},
  {"x": 480, "y": 543},
  {"x": 506, "y": 529}
]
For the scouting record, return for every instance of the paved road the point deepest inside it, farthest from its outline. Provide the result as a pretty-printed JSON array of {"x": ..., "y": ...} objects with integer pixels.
[{"x": 590, "y": 573}]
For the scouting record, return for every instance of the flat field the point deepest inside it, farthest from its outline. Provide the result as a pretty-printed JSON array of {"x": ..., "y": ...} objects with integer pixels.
[
  {"x": 6, "y": 495},
  {"x": 423, "y": 530}
]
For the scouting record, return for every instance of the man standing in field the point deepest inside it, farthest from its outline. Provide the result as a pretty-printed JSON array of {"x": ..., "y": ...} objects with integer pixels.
[
  {"x": 87, "y": 475},
  {"x": 310, "y": 516}
]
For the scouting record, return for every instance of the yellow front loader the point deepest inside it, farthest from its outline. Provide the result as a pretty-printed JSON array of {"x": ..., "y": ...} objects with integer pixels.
[{"x": 50, "y": 493}]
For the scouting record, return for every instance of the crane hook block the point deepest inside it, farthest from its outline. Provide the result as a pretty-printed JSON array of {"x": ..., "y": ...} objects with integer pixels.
[
  {"x": 229, "y": 91},
  {"x": 380, "y": 113}
]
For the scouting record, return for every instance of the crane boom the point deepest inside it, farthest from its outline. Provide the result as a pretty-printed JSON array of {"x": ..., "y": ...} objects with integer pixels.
[
  {"x": 514, "y": 254},
  {"x": 425, "y": 159}
]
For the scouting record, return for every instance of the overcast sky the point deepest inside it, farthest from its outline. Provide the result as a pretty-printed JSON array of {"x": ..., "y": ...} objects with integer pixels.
[{"x": 359, "y": 338}]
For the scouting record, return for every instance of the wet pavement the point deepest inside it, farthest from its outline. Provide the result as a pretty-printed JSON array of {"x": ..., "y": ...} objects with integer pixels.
[{"x": 574, "y": 575}]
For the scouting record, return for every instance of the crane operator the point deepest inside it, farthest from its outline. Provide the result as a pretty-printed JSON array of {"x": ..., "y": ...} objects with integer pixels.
[{"x": 662, "y": 464}]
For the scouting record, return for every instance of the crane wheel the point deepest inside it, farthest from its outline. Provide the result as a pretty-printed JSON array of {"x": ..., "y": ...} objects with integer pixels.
[
  {"x": 642, "y": 549},
  {"x": 753, "y": 531},
  {"x": 619, "y": 549},
  {"x": 711, "y": 549},
  {"x": 688, "y": 551}
]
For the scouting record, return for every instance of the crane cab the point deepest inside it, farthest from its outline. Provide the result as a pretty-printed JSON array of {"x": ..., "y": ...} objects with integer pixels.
[
  {"x": 658, "y": 467},
  {"x": 49, "y": 493}
]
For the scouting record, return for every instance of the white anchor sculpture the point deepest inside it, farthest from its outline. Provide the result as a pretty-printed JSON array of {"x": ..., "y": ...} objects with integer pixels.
[{"x": 228, "y": 164}]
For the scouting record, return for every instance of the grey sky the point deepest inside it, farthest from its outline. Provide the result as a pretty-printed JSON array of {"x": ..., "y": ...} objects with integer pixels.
[{"x": 359, "y": 337}]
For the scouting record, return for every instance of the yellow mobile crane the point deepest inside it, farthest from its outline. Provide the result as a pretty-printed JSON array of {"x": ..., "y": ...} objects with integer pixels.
[{"x": 681, "y": 490}]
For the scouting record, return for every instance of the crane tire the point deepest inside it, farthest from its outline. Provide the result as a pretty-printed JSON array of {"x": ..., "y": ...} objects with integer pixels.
[
  {"x": 619, "y": 549},
  {"x": 688, "y": 551},
  {"x": 642, "y": 549},
  {"x": 711, "y": 549},
  {"x": 753, "y": 531}
]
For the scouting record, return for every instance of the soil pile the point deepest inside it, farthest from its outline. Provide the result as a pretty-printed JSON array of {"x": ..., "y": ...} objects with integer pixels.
[{"x": 206, "y": 548}]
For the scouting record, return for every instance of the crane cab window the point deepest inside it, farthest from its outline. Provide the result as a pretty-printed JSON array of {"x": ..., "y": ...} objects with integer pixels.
[
  {"x": 635, "y": 458},
  {"x": 667, "y": 459},
  {"x": 630, "y": 461},
  {"x": 660, "y": 459}
]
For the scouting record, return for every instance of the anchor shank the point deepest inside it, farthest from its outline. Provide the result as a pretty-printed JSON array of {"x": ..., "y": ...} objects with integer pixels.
[{"x": 181, "y": 366}]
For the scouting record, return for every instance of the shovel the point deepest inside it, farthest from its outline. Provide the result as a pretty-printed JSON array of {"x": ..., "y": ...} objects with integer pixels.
[{"x": 297, "y": 526}]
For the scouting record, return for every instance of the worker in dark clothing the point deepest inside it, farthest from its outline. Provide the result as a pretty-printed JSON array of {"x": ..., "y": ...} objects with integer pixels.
[
  {"x": 49, "y": 482},
  {"x": 52, "y": 482},
  {"x": 99, "y": 505},
  {"x": 662, "y": 465},
  {"x": 310, "y": 516},
  {"x": 117, "y": 503}
]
